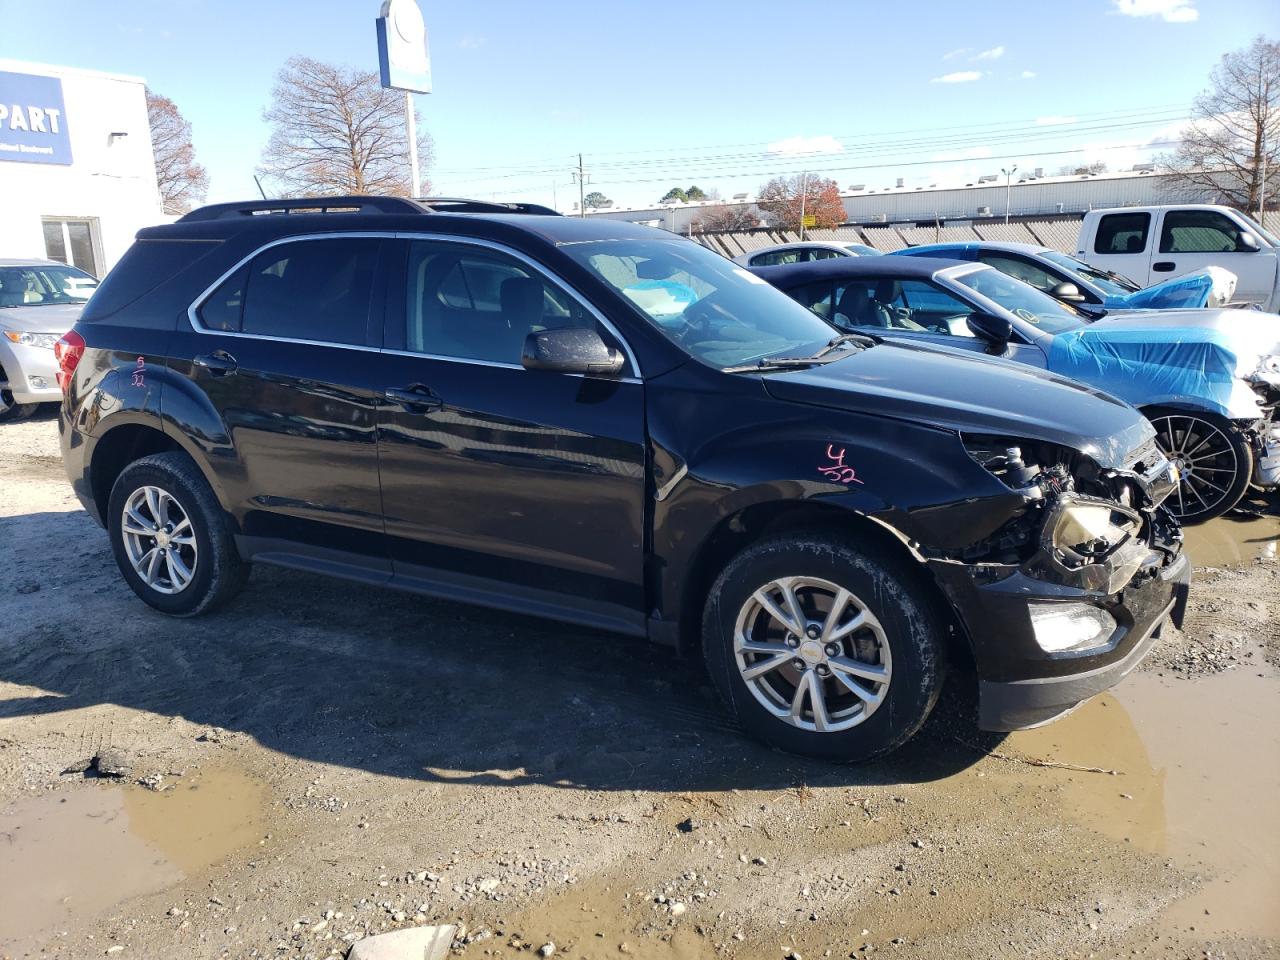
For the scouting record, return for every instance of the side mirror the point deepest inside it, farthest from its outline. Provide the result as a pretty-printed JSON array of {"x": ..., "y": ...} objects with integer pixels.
[
  {"x": 989, "y": 327},
  {"x": 1247, "y": 243},
  {"x": 1067, "y": 292},
  {"x": 571, "y": 350}
]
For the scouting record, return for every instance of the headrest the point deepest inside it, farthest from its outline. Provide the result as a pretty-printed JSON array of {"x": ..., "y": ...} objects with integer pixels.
[{"x": 521, "y": 296}]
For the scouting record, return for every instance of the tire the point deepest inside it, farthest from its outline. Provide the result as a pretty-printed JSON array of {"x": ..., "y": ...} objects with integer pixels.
[
  {"x": 900, "y": 641},
  {"x": 202, "y": 569},
  {"x": 11, "y": 412},
  {"x": 1214, "y": 460}
]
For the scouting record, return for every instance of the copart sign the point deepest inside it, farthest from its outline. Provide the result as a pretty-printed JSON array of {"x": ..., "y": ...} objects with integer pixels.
[{"x": 33, "y": 121}]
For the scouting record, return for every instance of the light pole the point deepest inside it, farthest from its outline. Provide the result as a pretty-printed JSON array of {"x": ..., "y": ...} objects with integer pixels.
[
  {"x": 1008, "y": 189},
  {"x": 804, "y": 195}
]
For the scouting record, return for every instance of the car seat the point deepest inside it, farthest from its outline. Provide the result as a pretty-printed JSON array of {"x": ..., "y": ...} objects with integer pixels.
[{"x": 856, "y": 308}]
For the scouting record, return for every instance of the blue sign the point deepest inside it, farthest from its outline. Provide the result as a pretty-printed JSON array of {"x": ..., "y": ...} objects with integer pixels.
[
  {"x": 33, "y": 120},
  {"x": 403, "y": 61}
]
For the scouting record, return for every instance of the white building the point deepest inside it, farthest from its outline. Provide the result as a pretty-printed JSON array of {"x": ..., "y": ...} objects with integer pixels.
[{"x": 77, "y": 174}]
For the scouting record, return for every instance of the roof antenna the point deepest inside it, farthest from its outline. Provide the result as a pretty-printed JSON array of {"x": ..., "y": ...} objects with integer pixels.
[{"x": 260, "y": 190}]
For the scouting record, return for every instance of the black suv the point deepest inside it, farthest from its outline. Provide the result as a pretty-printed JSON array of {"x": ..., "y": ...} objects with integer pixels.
[{"x": 606, "y": 424}]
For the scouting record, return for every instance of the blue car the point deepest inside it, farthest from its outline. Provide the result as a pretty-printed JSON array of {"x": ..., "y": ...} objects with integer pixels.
[
  {"x": 1092, "y": 291},
  {"x": 1209, "y": 380}
]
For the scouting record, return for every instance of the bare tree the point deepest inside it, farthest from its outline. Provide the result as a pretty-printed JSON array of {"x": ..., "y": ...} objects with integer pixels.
[
  {"x": 336, "y": 130},
  {"x": 1235, "y": 131},
  {"x": 783, "y": 198},
  {"x": 725, "y": 218},
  {"x": 183, "y": 183}
]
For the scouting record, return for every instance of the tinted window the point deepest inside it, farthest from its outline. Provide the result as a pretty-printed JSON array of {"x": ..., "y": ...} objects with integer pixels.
[
  {"x": 222, "y": 310},
  {"x": 310, "y": 290},
  {"x": 1025, "y": 270},
  {"x": 478, "y": 304},
  {"x": 707, "y": 305},
  {"x": 819, "y": 253},
  {"x": 776, "y": 257},
  {"x": 1122, "y": 233},
  {"x": 1198, "y": 231},
  {"x": 1022, "y": 301}
]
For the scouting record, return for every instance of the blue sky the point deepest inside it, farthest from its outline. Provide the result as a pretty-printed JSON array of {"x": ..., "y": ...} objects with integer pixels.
[{"x": 715, "y": 93}]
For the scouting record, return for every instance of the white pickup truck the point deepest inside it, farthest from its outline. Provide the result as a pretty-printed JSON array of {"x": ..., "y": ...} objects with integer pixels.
[{"x": 1151, "y": 244}]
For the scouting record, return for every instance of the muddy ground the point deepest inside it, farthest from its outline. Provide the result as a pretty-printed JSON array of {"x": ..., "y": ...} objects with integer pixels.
[{"x": 321, "y": 760}]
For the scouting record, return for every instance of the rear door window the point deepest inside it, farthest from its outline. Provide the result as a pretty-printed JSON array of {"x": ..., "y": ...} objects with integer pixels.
[
  {"x": 1198, "y": 231},
  {"x": 776, "y": 258},
  {"x": 305, "y": 290},
  {"x": 1122, "y": 233}
]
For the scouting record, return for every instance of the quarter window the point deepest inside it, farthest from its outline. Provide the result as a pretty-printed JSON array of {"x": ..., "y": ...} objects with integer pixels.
[
  {"x": 474, "y": 304},
  {"x": 1122, "y": 233},
  {"x": 1198, "y": 231}
]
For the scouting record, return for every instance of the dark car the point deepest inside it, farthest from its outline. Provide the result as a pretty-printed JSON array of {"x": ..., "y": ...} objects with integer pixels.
[
  {"x": 1206, "y": 378},
  {"x": 606, "y": 424}
]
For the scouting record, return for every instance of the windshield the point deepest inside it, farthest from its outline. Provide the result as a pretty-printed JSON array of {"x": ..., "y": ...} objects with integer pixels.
[
  {"x": 707, "y": 305},
  {"x": 1023, "y": 301},
  {"x": 1110, "y": 283},
  {"x": 36, "y": 286}
]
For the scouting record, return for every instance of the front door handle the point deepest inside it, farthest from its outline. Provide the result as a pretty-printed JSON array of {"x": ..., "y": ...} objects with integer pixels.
[
  {"x": 219, "y": 363},
  {"x": 416, "y": 398},
  {"x": 1163, "y": 266}
]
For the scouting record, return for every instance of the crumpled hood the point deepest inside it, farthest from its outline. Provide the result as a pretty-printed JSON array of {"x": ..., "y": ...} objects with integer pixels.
[
  {"x": 1201, "y": 357},
  {"x": 966, "y": 392},
  {"x": 1210, "y": 287},
  {"x": 52, "y": 318}
]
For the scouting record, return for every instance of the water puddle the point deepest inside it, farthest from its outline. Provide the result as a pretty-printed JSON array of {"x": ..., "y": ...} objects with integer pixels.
[
  {"x": 1200, "y": 783},
  {"x": 1235, "y": 538},
  {"x": 81, "y": 851}
]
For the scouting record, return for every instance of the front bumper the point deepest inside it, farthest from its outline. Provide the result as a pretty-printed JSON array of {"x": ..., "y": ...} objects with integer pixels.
[
  {"x": 1021, "y": 685},
  {"x": 30, "y": 373}
]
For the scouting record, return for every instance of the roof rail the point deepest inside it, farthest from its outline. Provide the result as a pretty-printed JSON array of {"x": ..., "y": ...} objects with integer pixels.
[
  {"x": 464, "y": 205},
  {"x": 253, "y": 208}
]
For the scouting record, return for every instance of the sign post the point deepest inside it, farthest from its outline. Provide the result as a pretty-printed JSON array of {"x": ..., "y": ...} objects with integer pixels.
[{"x": 404, "y": 64}]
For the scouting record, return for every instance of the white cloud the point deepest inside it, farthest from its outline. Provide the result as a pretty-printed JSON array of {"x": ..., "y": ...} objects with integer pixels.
[
  {"x": 1171, "y": 11},
  {"x": 961, "y": 76},
  {"x": 959, "y": 52},
  {"x": 1055, "y": 121},
  {"x": 798, "y": 145},
  {"x": 1028, "y": 74},
  {"x": 995, "y": 53}
]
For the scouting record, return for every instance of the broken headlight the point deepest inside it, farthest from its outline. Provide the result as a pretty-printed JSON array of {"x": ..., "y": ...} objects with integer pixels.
[{"x": 1095, "y": 540}]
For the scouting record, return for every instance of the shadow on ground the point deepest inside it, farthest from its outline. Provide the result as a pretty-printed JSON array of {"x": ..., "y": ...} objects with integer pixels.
[{"x": 401, "y": 685}]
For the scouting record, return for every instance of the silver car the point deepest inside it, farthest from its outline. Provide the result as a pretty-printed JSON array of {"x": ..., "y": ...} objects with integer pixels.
[
  {"x": 40, "y": 300},
  {"x": 803, "y": 251}
]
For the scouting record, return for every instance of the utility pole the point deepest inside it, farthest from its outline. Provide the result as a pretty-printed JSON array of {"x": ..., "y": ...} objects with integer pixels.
[
  {"x": 1008, "y": 189},
  {"x": 804, "y": 195},
  {"x": 411, "y": 128},
  {"x": 580, "y": 175}
]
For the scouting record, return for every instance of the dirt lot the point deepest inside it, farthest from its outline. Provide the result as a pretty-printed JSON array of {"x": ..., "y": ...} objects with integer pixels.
[{"x": 322, "y": 760}]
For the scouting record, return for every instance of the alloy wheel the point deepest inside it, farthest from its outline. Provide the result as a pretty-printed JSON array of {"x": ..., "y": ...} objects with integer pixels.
[
  {"x": 812, "y": 654},
  {"x": 159, "y": 540},
  {"x": 1205, "y": 459}
]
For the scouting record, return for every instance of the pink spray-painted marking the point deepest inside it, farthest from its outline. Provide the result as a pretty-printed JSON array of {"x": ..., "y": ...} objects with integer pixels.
[
  {"x": 138, "y": 370},
  {"x": 837, "y": 469}
]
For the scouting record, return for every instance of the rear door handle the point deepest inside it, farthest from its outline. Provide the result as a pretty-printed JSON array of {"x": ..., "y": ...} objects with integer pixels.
[
  {"x": 416, "y": 398},
  {"x": 1163, "y": 266},
  {"x": 219, "y": 363}
]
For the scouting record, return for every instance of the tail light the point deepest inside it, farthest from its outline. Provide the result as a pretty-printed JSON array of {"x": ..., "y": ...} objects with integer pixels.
[{"x": 68, "y": 351}]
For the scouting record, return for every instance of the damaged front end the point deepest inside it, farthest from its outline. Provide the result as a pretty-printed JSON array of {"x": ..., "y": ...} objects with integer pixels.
[{"x": 1068, "y": 593}]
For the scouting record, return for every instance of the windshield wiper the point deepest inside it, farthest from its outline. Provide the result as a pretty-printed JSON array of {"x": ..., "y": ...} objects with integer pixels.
[
  {"x": 861, "y": 339},
  {"x": 822, "y": 356}
]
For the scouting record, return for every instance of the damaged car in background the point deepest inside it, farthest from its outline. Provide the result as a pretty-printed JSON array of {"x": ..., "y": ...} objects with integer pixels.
[
  {"x": 1209, "y": 380},
  {"x": 601, "y": 423}
]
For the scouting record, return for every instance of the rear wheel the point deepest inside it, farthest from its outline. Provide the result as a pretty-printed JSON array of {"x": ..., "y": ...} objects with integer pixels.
[
  {"x": 823, "y": 648},
  {"x": 1214, "y": 462},
  {"x": 171, "y": 539},
  {"x": 11, "y": 412}
]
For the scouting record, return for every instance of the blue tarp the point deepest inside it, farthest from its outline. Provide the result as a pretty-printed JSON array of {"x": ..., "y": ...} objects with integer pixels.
[
  {"x": 1146, "y": 366},
  {"x": 1189, "y": 291}
]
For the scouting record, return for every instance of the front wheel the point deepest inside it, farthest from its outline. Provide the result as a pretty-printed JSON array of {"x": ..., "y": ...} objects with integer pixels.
[
  {"x": 823, "y": 648},
  {"x": 1213, "y": 459},
  {"x": 171, "y": 538}
]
